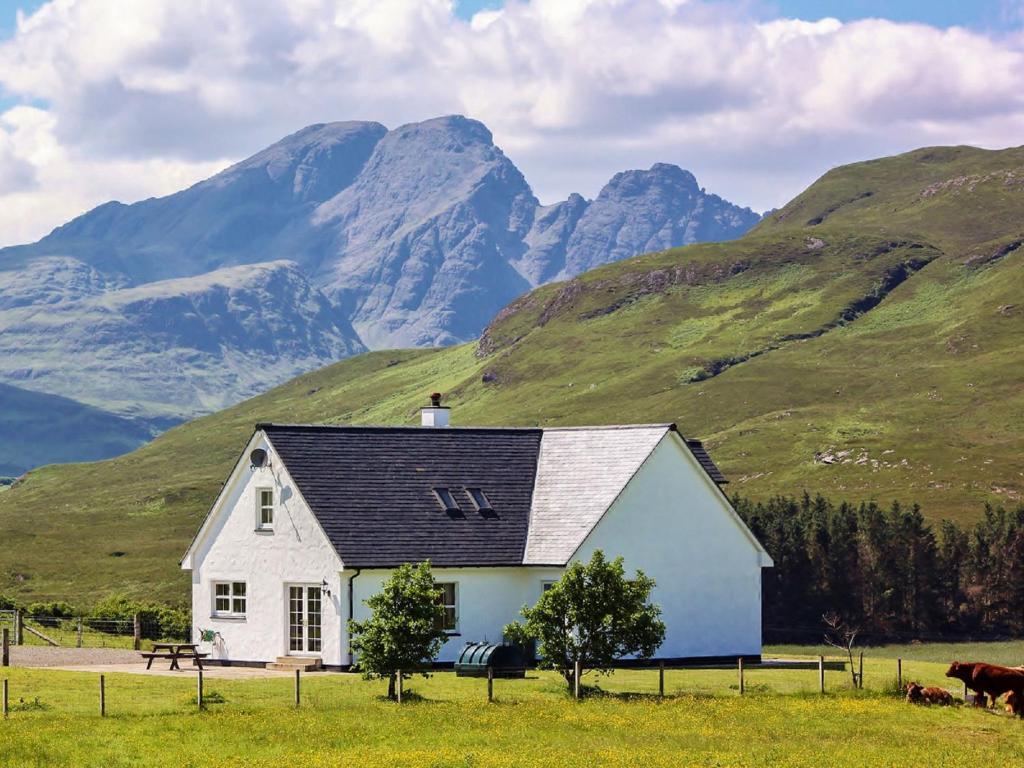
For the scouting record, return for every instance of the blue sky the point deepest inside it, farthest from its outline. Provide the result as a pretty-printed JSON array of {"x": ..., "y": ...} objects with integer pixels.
[{"x": 978, "y": 14}]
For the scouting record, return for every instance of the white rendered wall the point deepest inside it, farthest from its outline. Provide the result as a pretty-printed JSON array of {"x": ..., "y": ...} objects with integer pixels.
[
  {"x": 487, "y": 599},
  {"x": 296, "y": 552},
  {"x": 671, "y": 523}
]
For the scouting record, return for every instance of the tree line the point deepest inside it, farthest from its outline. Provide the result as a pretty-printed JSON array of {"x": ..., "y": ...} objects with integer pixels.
[{"x": 887, "y": 570}]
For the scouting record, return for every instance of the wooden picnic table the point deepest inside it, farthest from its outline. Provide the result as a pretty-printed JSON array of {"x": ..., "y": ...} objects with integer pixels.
[{"x": 175, "y": 651}]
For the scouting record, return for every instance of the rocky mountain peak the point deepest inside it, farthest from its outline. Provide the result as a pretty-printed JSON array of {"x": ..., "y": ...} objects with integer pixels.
[
  {"x": 339, "y": 235},
  {"x": 660, "y": 178}
]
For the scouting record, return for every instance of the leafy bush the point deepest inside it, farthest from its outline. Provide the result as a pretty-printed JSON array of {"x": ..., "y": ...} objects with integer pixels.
[
  {"x": 593, "y": 615},
  {"x": 403, "y": 634},
  {"x": 115, "y": 615},
  {"x": 7, "y": 603}
]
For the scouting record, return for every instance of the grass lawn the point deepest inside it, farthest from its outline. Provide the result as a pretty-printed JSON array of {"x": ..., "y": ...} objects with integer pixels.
[{"x": 781, "y": 721}]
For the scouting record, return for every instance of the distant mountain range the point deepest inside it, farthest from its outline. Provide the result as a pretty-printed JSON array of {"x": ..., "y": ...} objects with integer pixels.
[
  {"x": 864, "y": 341},
  {"x": 339, "y": 238}
]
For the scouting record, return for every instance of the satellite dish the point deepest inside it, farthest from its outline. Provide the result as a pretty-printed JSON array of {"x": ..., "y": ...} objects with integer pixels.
[{"x": 258, "y": 458}]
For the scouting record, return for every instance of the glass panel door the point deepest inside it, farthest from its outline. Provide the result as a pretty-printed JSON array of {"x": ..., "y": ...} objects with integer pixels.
[
  {"x": 313, "y": 619},
  {"x": 304, "y": 625},
  {"x": 296, "y": 614}
]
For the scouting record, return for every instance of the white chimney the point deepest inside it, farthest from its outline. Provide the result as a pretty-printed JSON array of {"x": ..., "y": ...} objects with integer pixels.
[{"x": 434, "y": 415}]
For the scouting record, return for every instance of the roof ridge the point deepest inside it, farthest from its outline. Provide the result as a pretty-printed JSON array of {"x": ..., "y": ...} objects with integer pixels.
[{"x": 468, "y": 427}]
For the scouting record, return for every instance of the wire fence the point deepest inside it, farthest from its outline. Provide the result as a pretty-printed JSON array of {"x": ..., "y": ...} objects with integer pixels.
[{"x": 85, "y": 631}]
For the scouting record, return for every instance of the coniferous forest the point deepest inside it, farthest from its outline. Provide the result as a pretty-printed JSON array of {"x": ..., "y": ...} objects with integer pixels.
[{"x": 887, "y": 571}]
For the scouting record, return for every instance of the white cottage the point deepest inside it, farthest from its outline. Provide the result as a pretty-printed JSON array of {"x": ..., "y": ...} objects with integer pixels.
[{"x": 313, "y": 519}]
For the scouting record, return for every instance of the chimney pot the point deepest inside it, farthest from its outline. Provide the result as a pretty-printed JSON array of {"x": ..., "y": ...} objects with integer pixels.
[{"x": 434, "y": 415}]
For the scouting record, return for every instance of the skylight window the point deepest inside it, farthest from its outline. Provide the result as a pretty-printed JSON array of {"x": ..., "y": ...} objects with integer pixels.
[
  {"x": 446, "y": 500},
  {"x": 480, "y": 500}
]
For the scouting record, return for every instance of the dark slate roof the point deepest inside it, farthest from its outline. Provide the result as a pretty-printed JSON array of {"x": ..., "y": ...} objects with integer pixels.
[
  {"x": 370, "y": 488},
  {"x": 700, "y": 453}
]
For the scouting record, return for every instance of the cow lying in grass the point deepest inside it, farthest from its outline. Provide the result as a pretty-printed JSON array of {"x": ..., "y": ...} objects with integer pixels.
[
  {"x": 1015, "y": 703},
  {"x": 918, "y": 694},
  {"x": 988, "y": 680}
]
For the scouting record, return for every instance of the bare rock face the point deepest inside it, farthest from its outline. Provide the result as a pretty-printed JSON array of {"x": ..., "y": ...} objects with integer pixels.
[
  {"x": 422, "y": 244},
  {"x": 339, "y": 237}
]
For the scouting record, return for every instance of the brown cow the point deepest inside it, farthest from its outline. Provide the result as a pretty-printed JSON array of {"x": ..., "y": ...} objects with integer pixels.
[
  {"x": 918, "y": 694},
  {"x": 988, "y": 679},
  {"x": 1015, "y": 703}
]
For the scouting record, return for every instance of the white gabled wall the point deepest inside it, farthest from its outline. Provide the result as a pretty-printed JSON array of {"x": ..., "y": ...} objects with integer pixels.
[
  {"x": 230, "y": 548},
  {"x": 487, "y": 599},
  {"x": 671, "y": 522}
]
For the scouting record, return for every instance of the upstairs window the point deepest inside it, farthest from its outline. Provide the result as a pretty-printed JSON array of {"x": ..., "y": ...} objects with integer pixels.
[
  {"x": 446, "y": 500},
  {"x": 229, "y": 599},
  {"x": 450, "y": 621},
  {"x": 479, "y": 499},
  {"x": 265, "y": 509}
]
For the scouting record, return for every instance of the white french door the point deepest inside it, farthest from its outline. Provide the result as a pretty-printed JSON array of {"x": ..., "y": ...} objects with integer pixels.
[{"x": 304, "y": 619}]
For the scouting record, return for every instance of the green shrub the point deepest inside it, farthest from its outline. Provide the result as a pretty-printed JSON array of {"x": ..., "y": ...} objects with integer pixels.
[
  {"x": 50, "y": 614},
  {"x": 115, "y": 615}
]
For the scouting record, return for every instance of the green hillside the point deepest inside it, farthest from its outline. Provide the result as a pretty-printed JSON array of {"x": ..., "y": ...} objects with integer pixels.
[
  {"x": 39, "y": 428},
  {"x": 865, "y": 341}
]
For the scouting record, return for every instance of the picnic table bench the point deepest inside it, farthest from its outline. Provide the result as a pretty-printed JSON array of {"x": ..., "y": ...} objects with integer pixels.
[{"x": 175, "y": 651}]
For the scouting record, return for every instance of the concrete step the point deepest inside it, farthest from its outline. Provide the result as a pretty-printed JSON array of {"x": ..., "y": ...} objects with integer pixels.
[{"x": 291, "y": 663}]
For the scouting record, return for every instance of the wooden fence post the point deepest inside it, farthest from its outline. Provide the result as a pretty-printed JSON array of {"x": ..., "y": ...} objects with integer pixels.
[
  {"x": 19, "y": 632},
  {"x": 297, "y": 685},
  {"x": 661, "y": 679},
  {"x": 136, "y": 632},
  {"x": 78, "y": 635},
  {"x": 860, "y": 672},
  {"x": 5, "y": 653},
  {"x": 965, "y": 692},
  {"x": 103, "y": 697},
  {"x": 4, "y": 697},
  {"x": 821, "y": 674},
  {"x": 490, "y": 684},
  {"x": 199, "y": 690},
  {"x": 899, "y": 673},
  {"x": 740, "y": 666},
  {"x": 399, "y": 686},
  {"x": 576, "y": 679}
]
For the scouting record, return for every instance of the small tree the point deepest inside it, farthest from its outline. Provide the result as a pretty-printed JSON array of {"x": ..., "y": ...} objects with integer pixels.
[
  {"x": 593, "y": 615},
  {"x": 843, "y": 636},
  {"x": 403, "y": 634}
]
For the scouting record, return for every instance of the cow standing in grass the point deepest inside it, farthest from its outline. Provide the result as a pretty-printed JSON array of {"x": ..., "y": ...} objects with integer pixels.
[{"x": 988, "y": 680}]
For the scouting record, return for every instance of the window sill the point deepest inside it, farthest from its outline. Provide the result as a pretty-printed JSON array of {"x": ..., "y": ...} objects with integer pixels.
[
  {"x": 264, "y": 531},
  {"x": 223, "y": 617},
  {"x": 453, "y": 634}
]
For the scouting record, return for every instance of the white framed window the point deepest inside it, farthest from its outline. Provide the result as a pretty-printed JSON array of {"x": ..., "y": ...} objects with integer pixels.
[
  {"x": 449, "y": 601},
  {"x": 264, "y": 509},
  {"x": 229, "y": 599}
]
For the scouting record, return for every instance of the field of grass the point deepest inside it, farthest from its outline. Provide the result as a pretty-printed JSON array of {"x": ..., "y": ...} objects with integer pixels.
[
  {"x": 792, "y": 342},
  {"x": 780, "y": 721}
]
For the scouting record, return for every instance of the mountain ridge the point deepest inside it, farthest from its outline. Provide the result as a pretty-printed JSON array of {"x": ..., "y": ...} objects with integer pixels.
[{"x": 414, "y": 236}]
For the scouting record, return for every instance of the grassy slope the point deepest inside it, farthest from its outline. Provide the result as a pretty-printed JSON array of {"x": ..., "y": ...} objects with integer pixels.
[
  {"x": 923, "y": 389},
  {"x": 780, "y": 721},
  {"x": 50, "y": 429}
]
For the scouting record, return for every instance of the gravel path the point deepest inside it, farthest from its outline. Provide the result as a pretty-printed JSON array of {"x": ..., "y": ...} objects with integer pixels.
[{"x": 45, "y": 656}]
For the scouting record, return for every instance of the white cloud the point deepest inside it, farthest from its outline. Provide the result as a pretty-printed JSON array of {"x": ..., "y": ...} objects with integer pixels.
[{"x": 141, "y": 98}]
